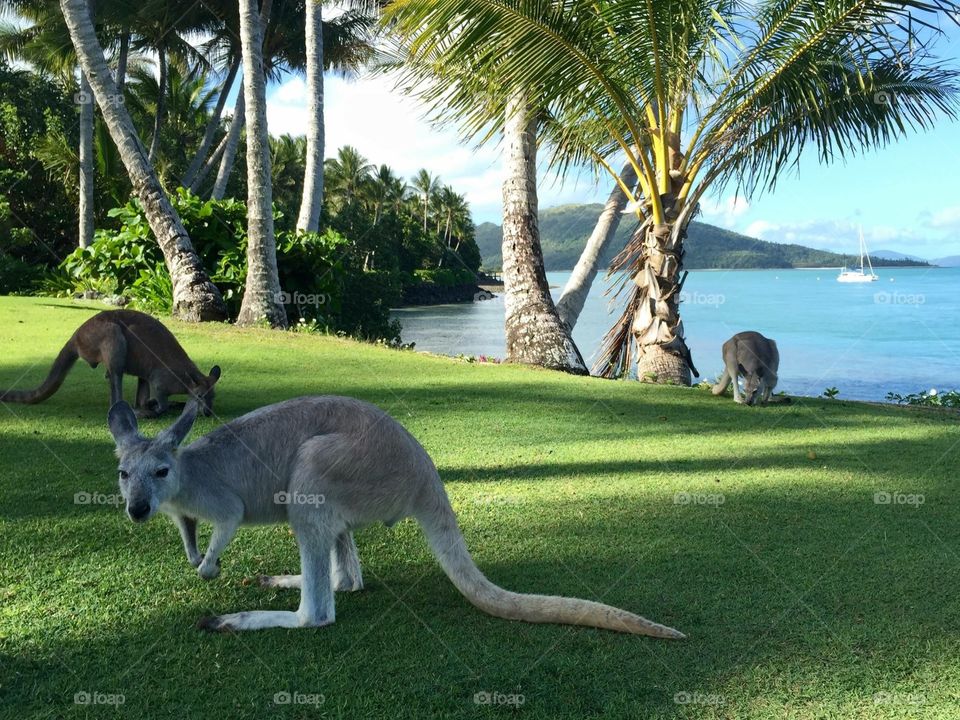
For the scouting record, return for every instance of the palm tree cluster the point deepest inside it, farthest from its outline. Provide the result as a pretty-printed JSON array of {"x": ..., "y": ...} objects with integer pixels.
[
  {"x": 686, "y": 96},
  {"x": 691, "y": 95},
  {"x": 168, "y": 70},
  {"x": 429, "y": 222}
]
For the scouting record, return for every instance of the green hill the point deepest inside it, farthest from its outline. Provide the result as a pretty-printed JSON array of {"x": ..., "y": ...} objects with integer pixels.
[{"x": 565, "y": 229}]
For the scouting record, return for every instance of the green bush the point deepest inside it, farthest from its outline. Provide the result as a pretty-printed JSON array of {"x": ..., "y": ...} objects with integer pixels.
[
  {"x": 446, "y": 277},
  {"x": 320, "y": 285}
]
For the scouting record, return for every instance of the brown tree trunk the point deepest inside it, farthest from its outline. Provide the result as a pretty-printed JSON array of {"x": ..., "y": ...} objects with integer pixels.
[
  {"x": 312, "y": 200},
  {"x": 535, "y": 334},
  {"x": 662, "y": 352},
  {"x": 191, "y": 177},
  {"x": 85, "y": 206},
  {"x": 262, "y": 301},
  {"x": 195, "y": 297},
  {"x": 231, "y": 143},
  {"x": 581, "y": 279},
  {"x": 161, "y": 105}
]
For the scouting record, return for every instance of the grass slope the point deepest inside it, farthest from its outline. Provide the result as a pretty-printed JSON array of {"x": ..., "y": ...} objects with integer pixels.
[{"x": 801, "y": 596}]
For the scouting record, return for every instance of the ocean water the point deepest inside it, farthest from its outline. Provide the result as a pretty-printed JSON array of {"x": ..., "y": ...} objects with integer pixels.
[{"x": 899, "y": 334}]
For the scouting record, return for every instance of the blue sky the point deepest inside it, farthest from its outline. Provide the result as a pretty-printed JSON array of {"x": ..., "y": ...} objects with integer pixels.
[{"x": 906, "y": 196}]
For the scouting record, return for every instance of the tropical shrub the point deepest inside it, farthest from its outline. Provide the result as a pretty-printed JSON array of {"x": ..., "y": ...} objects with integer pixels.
[{"x": 931, "y": 398}]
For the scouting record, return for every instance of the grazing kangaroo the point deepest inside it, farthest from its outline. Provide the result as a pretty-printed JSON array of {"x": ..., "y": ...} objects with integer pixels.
[
  {"x": 132, "y": 343},
  {"x": 328, "y": 466},
  {"x": 756, "y": 358}
]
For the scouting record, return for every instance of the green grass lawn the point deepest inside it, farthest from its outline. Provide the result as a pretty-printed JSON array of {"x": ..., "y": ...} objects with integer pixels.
[{"x": 802, "y": 597}]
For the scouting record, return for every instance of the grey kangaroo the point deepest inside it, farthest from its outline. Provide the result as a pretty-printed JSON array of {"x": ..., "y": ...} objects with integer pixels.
[
  {"x": 755, "y": 358},
  {"x": 132, "y": 343},
  {"x": 328, "y": 466}
]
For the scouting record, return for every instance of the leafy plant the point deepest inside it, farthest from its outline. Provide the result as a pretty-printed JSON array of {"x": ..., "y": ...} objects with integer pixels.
[
  {"x": 931, "y": 398},
  {"x": 831, "y": 392}
]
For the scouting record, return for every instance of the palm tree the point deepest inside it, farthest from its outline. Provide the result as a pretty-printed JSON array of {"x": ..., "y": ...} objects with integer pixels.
[
  {"x": 160, "y": 28},
  {"x": 534, "y": 333},
  {"x": 187, "y": 100},
  {"x": 695, "y": 95},
  {"x": 45, "y": 44},
  {"x": 453, "y": 212},
  {"x": 261, "y": 297},
  {"x": 425, "y": 186},
  {"x": 287, "y": 159},
  {"x": 195, "y": 297},
  {"x": 578, "y": 285},
  {"x": 348, "y": 175},
  {"x": 191, "y": 176},
  {"x": 309, "y": 218},
  {"x": 385, "y": 190},
  {"x": 348, "y": 36},
  {"x": 228, "y": 148}
]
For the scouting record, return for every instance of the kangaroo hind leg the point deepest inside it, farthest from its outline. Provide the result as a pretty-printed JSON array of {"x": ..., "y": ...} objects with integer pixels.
[
  {"x": 347, "y": 576},
  {"x": 113, "y": 351},
  {"x": 316, "y": 593}
]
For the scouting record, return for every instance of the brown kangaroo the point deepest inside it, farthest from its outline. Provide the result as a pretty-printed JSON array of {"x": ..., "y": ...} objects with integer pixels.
[{"x": 132, "y": 343}]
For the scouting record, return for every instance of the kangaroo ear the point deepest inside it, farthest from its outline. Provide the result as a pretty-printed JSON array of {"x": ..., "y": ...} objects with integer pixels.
[
  {"x": 123, "y": 423},
  {"x": 175, "y": 434},
  {"x": 214, "y": 375}
]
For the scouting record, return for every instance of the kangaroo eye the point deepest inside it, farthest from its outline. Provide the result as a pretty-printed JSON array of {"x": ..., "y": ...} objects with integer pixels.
[
  {"x": 162, "y": 472},
  {"x": 124, "y": 474}
]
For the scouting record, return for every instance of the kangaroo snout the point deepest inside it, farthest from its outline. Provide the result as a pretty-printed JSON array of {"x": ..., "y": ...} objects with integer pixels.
[{"x": 139, "y": 512}]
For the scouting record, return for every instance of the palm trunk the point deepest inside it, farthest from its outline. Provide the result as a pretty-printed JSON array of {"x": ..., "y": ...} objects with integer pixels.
[
  {"x": 122, "y": 61},
  {"x": 535, "y": 335},
  {"x": 161, "y": 105},
  {"x": 578, "y": 286},
  {"x": 195, "y": 297},
  {"x": 85, "y": 205},
  {"x": 662, "y": 352},
  {"x": 261, "y": 297},
  {"x": 190, "y": 177},
  {"x": 309, "y": 218},
  {"x": 230, "y": 149},
  {"x": 213, "y": 160}
]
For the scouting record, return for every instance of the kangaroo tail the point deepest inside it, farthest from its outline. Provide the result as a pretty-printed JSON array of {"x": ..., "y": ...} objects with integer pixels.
[
  {"x": 61, "y": 366},
  {"x": 446, "y": 541}
]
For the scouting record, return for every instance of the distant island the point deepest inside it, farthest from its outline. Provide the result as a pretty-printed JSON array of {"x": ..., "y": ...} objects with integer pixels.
[{"x": 565, "y": 228}]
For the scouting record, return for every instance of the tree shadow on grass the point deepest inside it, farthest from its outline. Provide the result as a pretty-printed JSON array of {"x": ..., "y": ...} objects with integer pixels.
[{"x": 816, "y": 590}]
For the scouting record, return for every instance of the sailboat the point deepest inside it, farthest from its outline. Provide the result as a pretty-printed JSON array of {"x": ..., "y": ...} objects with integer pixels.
[{"x": 860, "y": 275}]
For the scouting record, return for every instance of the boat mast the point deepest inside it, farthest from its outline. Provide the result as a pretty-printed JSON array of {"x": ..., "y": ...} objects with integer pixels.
[{"x": 864, "y": 253}]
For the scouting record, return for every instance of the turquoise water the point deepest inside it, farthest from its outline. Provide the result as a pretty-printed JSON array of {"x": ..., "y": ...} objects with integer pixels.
[{"x": 899, "y": 334}]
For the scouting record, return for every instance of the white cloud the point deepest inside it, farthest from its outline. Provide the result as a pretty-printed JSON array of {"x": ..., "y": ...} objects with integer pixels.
[
  {"x": 760, "y": 228},
  {"x": 842, "y": 236},
  {"x": 946, "y": 218},
  {"x": 389, "y": 128},
  {"x": 725, "y": 211}
]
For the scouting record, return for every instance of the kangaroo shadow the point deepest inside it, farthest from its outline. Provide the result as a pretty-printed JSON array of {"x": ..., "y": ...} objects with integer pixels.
[{"x": 820, "y": 578}]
